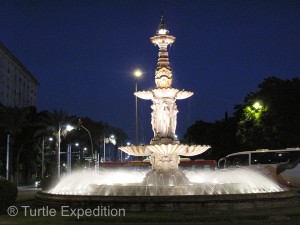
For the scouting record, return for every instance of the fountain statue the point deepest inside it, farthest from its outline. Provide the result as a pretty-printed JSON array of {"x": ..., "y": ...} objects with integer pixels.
[{"x": 164, "y": 149}]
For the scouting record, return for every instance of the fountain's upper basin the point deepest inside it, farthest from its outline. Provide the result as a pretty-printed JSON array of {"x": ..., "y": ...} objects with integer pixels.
[{"x": 164, "y": 93}]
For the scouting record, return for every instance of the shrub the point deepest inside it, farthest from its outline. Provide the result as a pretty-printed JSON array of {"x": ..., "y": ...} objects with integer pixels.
[{"x": 8, "y": 194}]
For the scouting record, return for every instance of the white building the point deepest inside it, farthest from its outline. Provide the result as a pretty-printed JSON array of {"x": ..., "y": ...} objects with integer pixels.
[{"x": 17, "y": 85}]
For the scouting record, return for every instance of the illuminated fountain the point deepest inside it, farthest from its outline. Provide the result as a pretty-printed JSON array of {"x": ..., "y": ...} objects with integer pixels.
[
  {"x": 133, "y": 183},
  {"x": 164, "y": 149},
  {"x": 165, "y": 185}
]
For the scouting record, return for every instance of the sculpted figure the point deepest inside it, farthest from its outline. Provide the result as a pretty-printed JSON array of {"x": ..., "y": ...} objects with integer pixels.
[
  {"x": 173, "y": 120},
  {"x": 164, "y": 117}
]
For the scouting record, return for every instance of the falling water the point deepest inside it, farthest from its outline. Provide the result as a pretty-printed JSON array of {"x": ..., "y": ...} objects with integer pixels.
[{"x": 136, "y": 183}]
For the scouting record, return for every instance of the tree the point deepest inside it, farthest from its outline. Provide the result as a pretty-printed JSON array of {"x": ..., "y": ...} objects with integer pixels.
[
  {"x": 49, "y": 124},
  {"x": 99, "y": 130},
  {"x": 12, "y": 122},
  {"x": 274, "y": 121},
  {"x": 268, "y": 118},
  {"x": 220, "y": 135}
]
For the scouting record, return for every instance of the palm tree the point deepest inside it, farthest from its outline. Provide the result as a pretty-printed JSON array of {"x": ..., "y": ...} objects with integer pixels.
[{"x": 49, "y": 124}]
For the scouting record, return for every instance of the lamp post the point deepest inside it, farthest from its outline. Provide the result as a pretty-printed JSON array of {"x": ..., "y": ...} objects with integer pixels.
[
  {"x": 68, "y": 128},
  {"x": 7, "y": 156},
  {"x": 69, "y": 156},
  {"x": 69, "y": 161},
  {"x": 43, "y": 154},
  {"x": 137, "y": 73},
  {"x": 104, "y": 142},
  {"x": 128, "y": 155},
  {"x": 92, "y": 149},
  {"x": 112, "y": 140}
]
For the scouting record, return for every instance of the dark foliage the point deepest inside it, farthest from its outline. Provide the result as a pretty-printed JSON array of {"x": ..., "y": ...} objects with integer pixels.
[{"x": 8, "y": 195}]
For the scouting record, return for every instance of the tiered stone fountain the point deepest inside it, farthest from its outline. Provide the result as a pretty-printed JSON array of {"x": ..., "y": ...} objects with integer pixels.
[{"x": 164, "y": 149}]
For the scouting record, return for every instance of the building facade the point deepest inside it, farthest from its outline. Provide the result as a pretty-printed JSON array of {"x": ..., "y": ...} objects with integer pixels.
[{"x": 18, "y": 86}]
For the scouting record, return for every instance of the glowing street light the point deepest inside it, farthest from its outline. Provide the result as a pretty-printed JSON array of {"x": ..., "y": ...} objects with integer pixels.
[
  {"x": 137, "y": 73},
  {"x": 69, "y": 128},
  {"x": 255, "y": 110},
  {"x": 257, "y": 105}
]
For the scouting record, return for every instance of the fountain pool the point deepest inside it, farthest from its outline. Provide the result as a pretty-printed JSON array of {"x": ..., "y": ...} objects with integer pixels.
[
  {"x": 239, "y": 189},
  {"x": 136, "y": 183}
]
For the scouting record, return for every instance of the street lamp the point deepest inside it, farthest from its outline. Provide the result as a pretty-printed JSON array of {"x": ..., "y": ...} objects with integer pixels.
[
  {"x": 69, "y": 156},
  {"x": 137, "y": 73},
  {"x": 92, "y": 149},
  {"x": 128, "y": 155},
  {"x": 67, "y": 129},
  {"x": 43, "y": 154},
  {"x": 7, "y": 156},
  {"x": 257, "y": 105},
  {"x": 112, "y": 140}
]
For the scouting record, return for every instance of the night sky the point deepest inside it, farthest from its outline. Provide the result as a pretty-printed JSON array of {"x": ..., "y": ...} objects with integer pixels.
[{"x": 83, "y": 53}]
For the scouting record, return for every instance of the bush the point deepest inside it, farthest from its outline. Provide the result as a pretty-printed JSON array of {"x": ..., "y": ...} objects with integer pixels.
[
  {"x": 48, "y": 182},
  {"x": 8, "y": 194}
]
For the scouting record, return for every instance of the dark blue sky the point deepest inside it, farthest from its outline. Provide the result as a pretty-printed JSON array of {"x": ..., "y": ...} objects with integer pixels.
[{"x": 83, "y": 53}]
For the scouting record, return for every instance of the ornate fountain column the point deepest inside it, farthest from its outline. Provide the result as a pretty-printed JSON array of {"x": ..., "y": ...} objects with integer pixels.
[
  {"x": 164, "y": 149},
  {"x": 164, "y": 108}
]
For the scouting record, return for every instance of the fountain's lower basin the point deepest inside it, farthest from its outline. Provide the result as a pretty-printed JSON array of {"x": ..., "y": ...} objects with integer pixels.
[
  {"x": 139, "y": 189},
  {"x": 197, "y": 203},
  {"x": 180, "y": 191}
]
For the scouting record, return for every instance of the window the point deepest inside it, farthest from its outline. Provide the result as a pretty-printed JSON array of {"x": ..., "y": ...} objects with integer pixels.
[
  {"x": 237, "y": 160},
  {"x": 295, "y": 155},
  {"x": 269, "y": 157}
]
